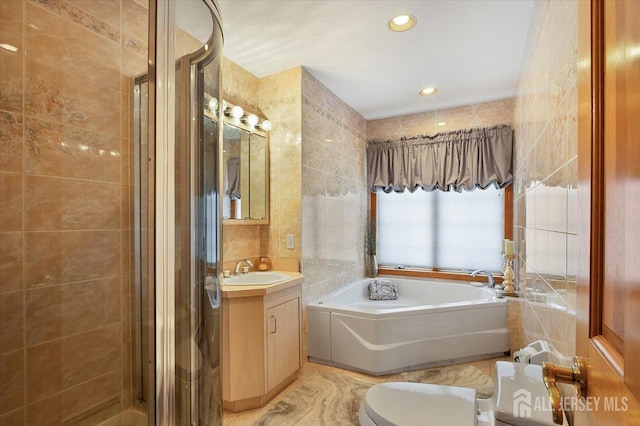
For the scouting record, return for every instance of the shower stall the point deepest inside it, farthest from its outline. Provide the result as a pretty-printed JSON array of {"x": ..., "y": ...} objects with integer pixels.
[{"x": 109, "y": 212}]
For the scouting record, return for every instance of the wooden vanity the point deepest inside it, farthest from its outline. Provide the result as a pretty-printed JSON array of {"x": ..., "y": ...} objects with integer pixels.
[{"x": 261, "y": 341}]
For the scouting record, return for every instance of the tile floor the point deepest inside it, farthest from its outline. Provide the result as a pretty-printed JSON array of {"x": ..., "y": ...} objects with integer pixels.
[{"x": 250, "y": 416}]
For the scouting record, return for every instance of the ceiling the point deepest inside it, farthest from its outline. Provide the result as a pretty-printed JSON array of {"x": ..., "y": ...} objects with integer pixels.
[{"x": 471, "y": 50}]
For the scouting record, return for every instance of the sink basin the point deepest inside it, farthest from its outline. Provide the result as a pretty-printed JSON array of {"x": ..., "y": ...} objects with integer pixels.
[{"x": 256, "y": 278}]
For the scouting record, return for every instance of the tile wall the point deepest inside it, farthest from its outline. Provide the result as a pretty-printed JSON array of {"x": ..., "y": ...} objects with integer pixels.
[
  {"x": 546, "y": 176},
  {"x": 443, "y": 120},
  {"x": 277, "y": 98},
  {"x": 65, "y": 218},
  {"x": 334, "y": 195},
  {"x": 241, "y": 88}
]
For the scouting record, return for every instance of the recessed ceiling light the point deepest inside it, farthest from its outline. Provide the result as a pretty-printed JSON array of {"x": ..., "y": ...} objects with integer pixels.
[
  {"x": 442, "y": 123},
  {"x": 402, "y": 23},
  {"x": 428, "y": 91}
]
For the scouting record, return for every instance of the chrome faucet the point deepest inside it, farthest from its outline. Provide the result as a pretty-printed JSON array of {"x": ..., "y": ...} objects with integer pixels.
[
  {"x": 492, "y": 283},
  {"x": 248, "y": 262}
]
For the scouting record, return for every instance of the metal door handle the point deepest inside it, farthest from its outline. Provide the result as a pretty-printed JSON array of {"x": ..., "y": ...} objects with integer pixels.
[
  {"x": 275, "y": 325},
  {"x": 576, "y": 376}
]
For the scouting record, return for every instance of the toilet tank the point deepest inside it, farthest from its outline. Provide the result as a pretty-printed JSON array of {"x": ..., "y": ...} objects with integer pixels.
[{"x": 521, "y": 397}]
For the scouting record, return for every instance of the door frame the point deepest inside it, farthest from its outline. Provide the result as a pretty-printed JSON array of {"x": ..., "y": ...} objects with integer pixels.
[{"x": 606, "y": 373}]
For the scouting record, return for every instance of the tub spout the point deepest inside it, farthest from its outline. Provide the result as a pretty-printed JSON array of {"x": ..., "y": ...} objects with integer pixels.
[{"x": 492, "y": 283}]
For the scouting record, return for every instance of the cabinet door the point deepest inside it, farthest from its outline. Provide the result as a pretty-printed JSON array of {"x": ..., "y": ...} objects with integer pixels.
[{"x": 283, "y": 341}]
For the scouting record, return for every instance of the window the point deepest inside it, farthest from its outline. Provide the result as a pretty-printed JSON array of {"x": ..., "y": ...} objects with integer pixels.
[{"x": 445, "y": 230}]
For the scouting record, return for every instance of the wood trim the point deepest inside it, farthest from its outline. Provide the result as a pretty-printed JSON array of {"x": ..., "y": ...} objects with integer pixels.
[
  {"x": 585, "y": 130},
  {"x": 508, "y": 212},
  {"x": 597, "y": 167},
  {"x": 449, "y": 275},
  {"x": 373, "y": 205}
]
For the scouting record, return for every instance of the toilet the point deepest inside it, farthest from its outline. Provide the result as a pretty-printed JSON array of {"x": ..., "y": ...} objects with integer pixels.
[{"x": 520, "y": 399}]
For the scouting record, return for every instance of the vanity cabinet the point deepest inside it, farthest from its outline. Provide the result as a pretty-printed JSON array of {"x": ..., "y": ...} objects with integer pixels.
[{"x": 261, "y": 344}]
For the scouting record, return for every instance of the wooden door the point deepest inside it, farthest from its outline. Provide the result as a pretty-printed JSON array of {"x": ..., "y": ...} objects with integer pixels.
[
  {"x": 608, "y": 308},
  {"x": 283, "y": 342}
]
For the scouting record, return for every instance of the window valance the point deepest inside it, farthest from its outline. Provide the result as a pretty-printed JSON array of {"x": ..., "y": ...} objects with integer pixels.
[{"x": 463, "y": 159}]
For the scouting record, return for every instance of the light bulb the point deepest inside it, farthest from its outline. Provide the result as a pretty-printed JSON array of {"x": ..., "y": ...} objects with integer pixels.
[
  {"x": 428, "y": 91},
  {"x": 250, "y": 119},
  {"x": 266, "y": 125},
  {"x": 401, "y": 20},
  {"x": 402, "y": 23},
  {"x": 237, "y": 112},
  {"x": 213, "y": 105}
]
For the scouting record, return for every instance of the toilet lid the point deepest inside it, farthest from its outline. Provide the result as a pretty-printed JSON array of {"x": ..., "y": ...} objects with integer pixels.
[{"x": 406, "y": 404}]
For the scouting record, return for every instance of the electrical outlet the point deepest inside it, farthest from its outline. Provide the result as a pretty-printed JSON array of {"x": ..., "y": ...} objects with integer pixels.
[{"x": 291, "y": 241}]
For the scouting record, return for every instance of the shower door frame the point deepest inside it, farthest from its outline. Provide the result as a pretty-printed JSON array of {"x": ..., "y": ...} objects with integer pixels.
[{"x": 162, "y": 101}]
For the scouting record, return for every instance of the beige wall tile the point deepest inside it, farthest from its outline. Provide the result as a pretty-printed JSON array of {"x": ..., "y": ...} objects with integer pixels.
[
  {"x": 74, "y": 148},
  {"x": 60, "y": 364},
  {"x": 11, "y": 70},
  {"x": 59, "y": 311},
  {"x": 12, "y": 418},
  {"x": 11, "y": 381},
  {"x": 60, "y": 257},
  {"x": 81, "y": 17},
  {"x": 66, "y": 204},
  {"x": 100, "y": 393},
  {"x": 493, "y": 113},
  {"x": 108, "y": 11},
  {"x": 66, "y": 151},
  {"x": 11, "y": 261},
  {"x": 11, "y": 141},
  {"x": 418, "y": 124},
  {"x": 11, "y": 321},
  {"x": 92, "y": 58},
  {"x": 134, "y": 19},
  {"x": 11, "y": 19},
  {"x": 478, "y": 115},
  {"x": 11, "y": 202},
  {"x": 545, "y": 163}
]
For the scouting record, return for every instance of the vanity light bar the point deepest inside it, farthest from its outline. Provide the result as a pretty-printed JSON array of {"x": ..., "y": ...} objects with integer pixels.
[{"x": 237, "y": 112}]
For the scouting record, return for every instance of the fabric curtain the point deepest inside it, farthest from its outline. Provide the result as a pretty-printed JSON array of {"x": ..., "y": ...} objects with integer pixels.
[
  {"x": 463, "y": 159},
  {"x": 233, "y": 178}
]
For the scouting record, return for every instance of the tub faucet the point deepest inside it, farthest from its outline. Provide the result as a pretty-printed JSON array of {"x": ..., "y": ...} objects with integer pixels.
[
  {"x": 492, "y": 283},
  {"x": 248, "y": 262}
]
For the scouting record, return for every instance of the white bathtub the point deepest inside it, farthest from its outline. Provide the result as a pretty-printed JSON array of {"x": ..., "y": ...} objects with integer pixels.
[{"x": 432, "y": 323}]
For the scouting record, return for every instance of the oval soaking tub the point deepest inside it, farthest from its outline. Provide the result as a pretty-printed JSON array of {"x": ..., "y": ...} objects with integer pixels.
[{"x": 433, "y": 322}]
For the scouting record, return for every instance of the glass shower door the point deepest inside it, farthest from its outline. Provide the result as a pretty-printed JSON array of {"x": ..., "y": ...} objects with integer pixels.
[{"x": 198, "y": 393}]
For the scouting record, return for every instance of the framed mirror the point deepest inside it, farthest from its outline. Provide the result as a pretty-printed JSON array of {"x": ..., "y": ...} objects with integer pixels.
[{"x": 246, "y": 175}]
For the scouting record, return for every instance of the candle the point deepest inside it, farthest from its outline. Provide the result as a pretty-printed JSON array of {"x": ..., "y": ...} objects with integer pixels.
[
  {"x": 504, "y": 243},
  {"x": 508, "y": 247}
]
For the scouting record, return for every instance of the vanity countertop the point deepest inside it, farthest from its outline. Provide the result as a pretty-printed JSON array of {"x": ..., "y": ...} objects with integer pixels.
[{"x": 233, "y": 291}]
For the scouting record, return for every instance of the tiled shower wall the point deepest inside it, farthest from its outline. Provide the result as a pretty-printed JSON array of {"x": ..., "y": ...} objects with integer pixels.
[
  {"x": 546, "y": 176},
  {"x": 334, "y": 196},
  {"x": 65, "y": 217}
]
